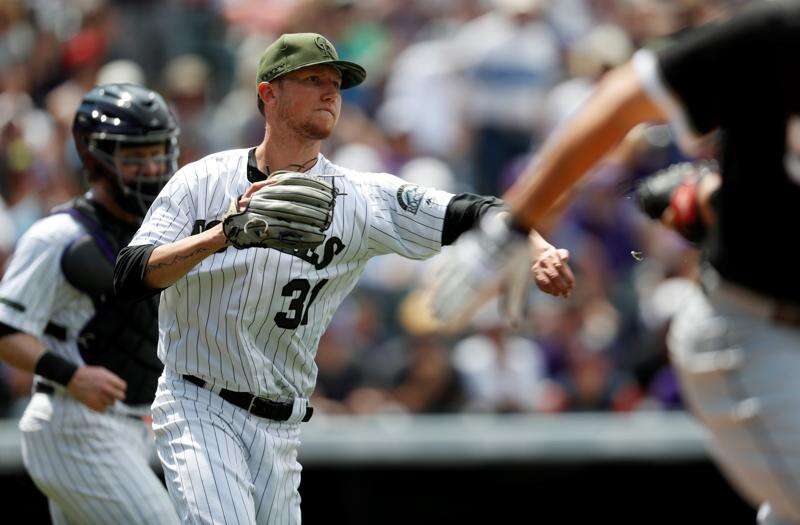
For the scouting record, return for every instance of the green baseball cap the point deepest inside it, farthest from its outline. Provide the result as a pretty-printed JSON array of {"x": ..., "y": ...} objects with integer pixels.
[{"x": 298, "y": 50}]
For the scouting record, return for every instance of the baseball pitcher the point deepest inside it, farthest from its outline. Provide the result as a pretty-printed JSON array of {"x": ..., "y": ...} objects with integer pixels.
[{"x": 253, "y": 250}]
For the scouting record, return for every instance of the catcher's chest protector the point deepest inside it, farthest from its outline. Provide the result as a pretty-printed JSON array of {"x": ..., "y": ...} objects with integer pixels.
[{"x": 120, "y": 337}]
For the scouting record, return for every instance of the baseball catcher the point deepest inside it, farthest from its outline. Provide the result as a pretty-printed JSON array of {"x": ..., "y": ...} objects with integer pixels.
[{"x": 94, "y": 355}]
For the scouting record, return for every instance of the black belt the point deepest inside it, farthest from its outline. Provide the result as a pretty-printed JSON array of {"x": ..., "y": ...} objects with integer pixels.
[{"x": 258, "y": 406}]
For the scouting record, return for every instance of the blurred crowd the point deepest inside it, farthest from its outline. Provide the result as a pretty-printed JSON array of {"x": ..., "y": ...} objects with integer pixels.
[{"x": 459, "y": 96}]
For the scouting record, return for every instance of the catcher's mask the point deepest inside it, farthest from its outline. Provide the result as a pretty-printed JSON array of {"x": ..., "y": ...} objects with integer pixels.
[{"x": 116, "y": 117}]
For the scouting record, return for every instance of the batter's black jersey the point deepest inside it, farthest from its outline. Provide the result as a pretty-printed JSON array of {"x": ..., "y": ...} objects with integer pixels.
[{"x": 742, "y": 77}]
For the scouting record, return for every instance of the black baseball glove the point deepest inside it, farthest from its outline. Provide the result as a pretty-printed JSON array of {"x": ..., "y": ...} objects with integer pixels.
[{"x": 675, "y": 188}]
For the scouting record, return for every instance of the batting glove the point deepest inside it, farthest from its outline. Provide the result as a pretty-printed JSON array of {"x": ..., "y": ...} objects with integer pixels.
[{"x": 484, "y": 259}]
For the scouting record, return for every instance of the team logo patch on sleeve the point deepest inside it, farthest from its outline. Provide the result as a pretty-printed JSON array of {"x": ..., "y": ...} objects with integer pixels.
[{"x": 409, "y": 196}]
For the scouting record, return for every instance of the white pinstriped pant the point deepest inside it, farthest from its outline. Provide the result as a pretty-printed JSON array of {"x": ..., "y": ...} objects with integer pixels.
[
  {"x": 740, "y": 373},
  {"x": 223, "y": 465},
  {"x": 94, "y": 468}
]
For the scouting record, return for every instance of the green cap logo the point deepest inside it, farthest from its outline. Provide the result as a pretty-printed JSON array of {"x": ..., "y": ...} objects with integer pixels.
[{"x": 326, "y": 47}]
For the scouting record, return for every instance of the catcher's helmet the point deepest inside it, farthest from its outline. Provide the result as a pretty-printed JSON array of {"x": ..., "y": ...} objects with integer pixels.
[{"x": 117, "y": 116}]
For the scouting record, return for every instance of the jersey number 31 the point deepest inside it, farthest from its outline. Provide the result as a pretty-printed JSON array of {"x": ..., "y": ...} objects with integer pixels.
[{"x": 297, "y": 306}]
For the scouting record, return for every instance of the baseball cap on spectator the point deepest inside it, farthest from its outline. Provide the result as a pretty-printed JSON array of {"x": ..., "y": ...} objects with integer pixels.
[
  {"x": 121, "y": 72},
  {"x": 604, "y": 47},
  {"x": 186, "y": 75},
  {"x": 295, "y": 51},
  {"x": 87, "y": 48},
  {"x": 518, "y": 7},
  {"x": 415, "y": 314},
  {"x": 431, "y": 172}
]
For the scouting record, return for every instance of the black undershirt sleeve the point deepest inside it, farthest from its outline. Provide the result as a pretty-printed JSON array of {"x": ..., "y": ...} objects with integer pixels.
[
  {"x": 7, "y": 330},
  {"x": 463, "y": 212},
  {"x": 129, "y": 273}
]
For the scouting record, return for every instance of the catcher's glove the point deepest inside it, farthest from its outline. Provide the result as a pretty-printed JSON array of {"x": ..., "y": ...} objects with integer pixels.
[
  {"x": 675, "y": 188},
  {"x": 290, "y": 213}
]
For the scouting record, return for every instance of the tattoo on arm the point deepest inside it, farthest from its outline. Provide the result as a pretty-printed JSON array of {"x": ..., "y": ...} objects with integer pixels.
[{"x": 178, "y": 258}]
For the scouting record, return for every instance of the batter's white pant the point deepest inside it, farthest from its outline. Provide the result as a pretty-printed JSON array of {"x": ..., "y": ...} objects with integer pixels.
[
  {"x": 740, "y": 373},
  {"x": 223, "y": 465},
  {"x": 94, "y": 468}
]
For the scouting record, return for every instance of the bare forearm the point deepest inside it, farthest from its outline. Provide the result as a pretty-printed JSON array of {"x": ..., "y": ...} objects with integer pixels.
[
  {"x": 170, "y": 262},
  {"x": 21, "y": 350},
  {"x": 538, "y": 243},
  {"x": 618, "y": 105}
]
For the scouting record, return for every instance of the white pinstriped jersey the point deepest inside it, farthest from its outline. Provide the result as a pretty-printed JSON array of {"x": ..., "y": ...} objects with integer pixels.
[
  {"x": 65, "y": 445},
  {"x": 34, "y": 291},
  {"x": 250, "y": 320}
]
